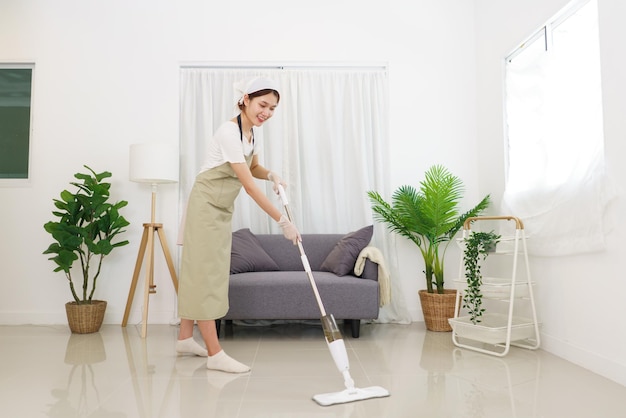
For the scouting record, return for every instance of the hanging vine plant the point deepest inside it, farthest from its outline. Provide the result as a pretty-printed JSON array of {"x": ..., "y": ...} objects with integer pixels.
[{"x": 477, "y": 247}]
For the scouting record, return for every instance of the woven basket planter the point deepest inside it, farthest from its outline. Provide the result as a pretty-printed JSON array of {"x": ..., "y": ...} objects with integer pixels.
[
  {"x": 85, "y": 318},
  {"x": 437, "y": 309}
]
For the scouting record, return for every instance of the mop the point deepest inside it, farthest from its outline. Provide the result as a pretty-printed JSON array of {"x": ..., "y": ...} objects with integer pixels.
[{"x": 334, "y": 340}]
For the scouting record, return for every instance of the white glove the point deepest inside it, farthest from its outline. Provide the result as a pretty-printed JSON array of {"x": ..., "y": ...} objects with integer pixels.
[
  {"x": 275, "y": 178},
  {"x": 289, "y": 230}
]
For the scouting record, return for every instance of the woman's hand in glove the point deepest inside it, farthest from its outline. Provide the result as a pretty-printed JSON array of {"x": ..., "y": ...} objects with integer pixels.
[
  {"x": 289, "y": 230},
  {"x": 275, "y": 178}
]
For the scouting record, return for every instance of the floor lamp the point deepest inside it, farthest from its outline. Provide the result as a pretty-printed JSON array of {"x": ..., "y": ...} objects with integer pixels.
[{"x": 154, "y": 164}]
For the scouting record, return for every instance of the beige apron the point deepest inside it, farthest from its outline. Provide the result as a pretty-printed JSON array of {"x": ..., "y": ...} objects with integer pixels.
[{"x": 207, "y": 239}]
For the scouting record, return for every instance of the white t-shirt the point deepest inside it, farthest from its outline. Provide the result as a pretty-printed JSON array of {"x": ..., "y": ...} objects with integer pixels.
[{"x": 227, "y": 146}]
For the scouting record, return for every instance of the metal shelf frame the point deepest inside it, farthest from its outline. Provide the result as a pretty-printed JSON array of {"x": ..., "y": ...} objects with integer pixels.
[{"x": 503, "y": 331}]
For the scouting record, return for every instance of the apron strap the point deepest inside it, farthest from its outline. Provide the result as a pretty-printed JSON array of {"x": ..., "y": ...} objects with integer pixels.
[{"x": 241, "y": 131}]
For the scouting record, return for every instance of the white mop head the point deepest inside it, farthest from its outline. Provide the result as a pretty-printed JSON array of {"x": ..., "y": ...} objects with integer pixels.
[{"x": 350, "y": 395}]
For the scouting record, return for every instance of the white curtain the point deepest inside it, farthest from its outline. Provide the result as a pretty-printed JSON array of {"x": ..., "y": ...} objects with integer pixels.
[
  {"x": 557, "y": 182},
  {"x": 328, "y": 139}
]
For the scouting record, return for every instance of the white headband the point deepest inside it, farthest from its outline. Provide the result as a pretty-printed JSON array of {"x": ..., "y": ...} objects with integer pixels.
[{"x": 253, "y": 85}]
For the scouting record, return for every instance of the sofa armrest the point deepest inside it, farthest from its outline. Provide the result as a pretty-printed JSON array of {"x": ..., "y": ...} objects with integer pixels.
[{"x": 370, "y": 270}]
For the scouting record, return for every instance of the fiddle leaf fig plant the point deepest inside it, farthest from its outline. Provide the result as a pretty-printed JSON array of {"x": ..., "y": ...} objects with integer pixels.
[
  {"x": 477, "y": 247},
  {"x": 87, "y": 230}
]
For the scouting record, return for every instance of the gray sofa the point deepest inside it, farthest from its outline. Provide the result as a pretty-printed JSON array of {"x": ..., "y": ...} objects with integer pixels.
[{"x": 281, "y": 290}]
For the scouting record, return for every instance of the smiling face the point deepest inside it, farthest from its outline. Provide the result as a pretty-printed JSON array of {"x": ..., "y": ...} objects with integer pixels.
[{"x": 260, "y": 108}]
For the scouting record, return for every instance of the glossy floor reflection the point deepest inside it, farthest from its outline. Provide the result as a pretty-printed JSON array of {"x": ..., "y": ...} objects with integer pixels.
[{"x": 45, "y": 371}]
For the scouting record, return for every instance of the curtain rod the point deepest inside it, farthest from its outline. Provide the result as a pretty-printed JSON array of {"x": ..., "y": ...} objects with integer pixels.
[{"x": 252, "y": 66}]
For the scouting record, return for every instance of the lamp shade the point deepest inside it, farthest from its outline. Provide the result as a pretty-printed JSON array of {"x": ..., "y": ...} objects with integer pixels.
[{"x": 153, "y": 163}]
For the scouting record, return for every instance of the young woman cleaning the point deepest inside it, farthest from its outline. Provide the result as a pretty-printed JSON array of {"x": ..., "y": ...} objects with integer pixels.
[{"x": 231, "y": 163}]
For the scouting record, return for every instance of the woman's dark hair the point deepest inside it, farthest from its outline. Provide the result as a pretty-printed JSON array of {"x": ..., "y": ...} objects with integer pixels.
[{"x": 261, "y": 93}]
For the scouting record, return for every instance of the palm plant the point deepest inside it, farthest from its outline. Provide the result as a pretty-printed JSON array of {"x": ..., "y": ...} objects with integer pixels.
[{"x": 430, "y": 217}]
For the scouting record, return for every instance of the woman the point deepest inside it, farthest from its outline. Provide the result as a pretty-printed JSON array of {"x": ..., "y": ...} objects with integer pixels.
[{"x": 231, "y": 162}]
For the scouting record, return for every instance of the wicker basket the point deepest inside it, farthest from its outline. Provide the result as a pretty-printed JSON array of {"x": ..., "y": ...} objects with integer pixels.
[
  {"x": 437, "y": 308},
  {"x": 85, "y": 318}
]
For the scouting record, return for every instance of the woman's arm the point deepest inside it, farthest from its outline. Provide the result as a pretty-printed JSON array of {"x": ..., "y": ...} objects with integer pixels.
[
  {"x": 260, "y": 172},
  {"x": 246, "y": 177},
  {"x": 247, "y": 180},
  {"x": 257, "y": 170}
]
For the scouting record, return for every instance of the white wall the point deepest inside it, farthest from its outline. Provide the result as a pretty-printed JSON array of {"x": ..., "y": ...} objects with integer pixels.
[
  {"x": 580, "y": 297},
  {"x": 107, "y": 77}
]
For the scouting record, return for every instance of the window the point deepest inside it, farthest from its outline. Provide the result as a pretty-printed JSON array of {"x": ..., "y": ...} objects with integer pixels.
[
  {"x": 15, "y": 120},
  {"x": 555, "y": 149}
]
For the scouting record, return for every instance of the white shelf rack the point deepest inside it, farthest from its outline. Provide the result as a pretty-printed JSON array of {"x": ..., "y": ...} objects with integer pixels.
[{"x": 498, "y": 331}]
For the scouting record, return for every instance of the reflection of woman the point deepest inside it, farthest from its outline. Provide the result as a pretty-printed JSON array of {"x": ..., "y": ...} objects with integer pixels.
[{"x": 231, "y": 162}]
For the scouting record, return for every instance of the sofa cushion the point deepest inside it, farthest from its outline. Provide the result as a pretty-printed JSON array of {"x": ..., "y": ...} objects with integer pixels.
[
  {"x": 287, "y": 256},
  {"x": 343, "y": 256},
  {"x": 247, "y": 254},
  {"x": 287, "y": 295}
]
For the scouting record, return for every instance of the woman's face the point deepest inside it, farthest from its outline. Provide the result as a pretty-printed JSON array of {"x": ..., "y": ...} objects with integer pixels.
[{"x": 259, "y": 109}]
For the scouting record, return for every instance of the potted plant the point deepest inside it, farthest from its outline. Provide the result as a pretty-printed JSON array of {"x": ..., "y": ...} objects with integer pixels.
[
  {"x": 87, "y": 227},
  {"x": 430, "y": 217},
  {"x": 476, "y": 247}
]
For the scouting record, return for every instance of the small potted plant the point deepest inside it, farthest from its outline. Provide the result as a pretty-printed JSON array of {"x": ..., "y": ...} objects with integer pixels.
[
  {"x": 87, "y": 230},
  {"x": 476, "y": 247},
  {"x": 430, "y": 217}
]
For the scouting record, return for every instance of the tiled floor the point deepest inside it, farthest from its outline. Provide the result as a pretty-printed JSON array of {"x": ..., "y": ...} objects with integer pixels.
[{"x": 47, "y": 372}]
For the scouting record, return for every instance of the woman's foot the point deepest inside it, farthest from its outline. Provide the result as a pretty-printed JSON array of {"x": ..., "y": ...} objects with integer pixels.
[
  {"x": 190, "y": 346},
  {"x": 223, "y": 362}
]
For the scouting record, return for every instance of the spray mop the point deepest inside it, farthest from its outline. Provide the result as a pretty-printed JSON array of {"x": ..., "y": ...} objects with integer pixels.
[{"x": 334, "y": 340}]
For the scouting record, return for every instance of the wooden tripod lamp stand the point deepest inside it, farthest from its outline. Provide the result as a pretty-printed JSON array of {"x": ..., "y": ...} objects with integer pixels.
[{"x": 154, "y": 164}]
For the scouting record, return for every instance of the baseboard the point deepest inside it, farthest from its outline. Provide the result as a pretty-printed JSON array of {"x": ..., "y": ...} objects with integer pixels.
[
  {"x": 33, "y": 318},
  {"x": 416, "y": 314},
  {"x": 134, "y": 318},
  {"x": 60, "y": 318},
  {"x": 583, "y": 358}
]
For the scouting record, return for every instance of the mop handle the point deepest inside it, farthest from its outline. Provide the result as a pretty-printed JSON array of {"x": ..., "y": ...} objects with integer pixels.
[{"x": 303, "y": 257}]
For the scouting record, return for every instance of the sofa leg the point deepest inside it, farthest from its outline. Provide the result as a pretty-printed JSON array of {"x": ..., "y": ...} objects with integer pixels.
[
  {"x": 356, "y": 327},
  {"x": 228, "y": 327}
]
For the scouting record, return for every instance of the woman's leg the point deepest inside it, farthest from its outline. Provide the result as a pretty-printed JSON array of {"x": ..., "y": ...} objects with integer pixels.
[
  {"x": 186, "y": 344},
  {"x": 218, "y": 359},
  {"x": 186, "y": 329},
  {"x": 209, "y": 334}
]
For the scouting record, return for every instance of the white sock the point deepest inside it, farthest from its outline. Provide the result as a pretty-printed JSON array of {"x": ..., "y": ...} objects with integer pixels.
[
  {"x": 190, "y": 346},
  {"x": 222, "y": 361}
]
